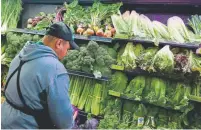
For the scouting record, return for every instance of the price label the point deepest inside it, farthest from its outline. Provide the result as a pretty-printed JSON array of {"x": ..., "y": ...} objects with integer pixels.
[
  {"x": 117, "y": 67},
  {"x": 114, "y": 93},
  {"x": 198, "y": 51},
  {"x": 140, "y": 121}
]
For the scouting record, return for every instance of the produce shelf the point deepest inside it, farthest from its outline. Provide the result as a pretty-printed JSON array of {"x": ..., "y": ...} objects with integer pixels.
[
  {"x": 173, "y": 44},
  {"x": 175, "y": 76},
  {"x": 122, "y": 96},
  {"x": 27, "y": 31},
  {"x": 87, "y": 75},
  {"x": 76, "y": 36},
  {"x": 195, "y": 98},
  {"x": 110, "y": 40},
  {"x": 94, "y": 38}
]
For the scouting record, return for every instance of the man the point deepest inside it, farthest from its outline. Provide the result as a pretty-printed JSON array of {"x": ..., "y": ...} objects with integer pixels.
[{"x": 37, "y": 84}]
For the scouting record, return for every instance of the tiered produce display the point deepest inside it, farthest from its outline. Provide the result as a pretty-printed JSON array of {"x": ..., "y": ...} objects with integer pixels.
[{"x": 149, "y": 86}]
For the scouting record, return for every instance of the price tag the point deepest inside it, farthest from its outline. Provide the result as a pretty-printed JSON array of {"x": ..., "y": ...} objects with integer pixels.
[
  {"x": 114, "y": 93},
  {"x": 140, "y": 121},
  {"x": 198, "y": 51},
  {"x": 117, "y": 67}
]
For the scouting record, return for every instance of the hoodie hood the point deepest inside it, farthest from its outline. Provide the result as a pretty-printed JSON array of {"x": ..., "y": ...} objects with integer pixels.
[{"x": 33, "y": 51}]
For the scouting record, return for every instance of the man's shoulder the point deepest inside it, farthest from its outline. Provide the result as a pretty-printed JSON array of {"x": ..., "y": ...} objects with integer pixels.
[{"x": 54, "y": 64}]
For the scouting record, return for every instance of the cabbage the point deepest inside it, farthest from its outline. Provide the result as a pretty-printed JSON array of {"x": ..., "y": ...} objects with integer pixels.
[{"x": 163, "y": 60}]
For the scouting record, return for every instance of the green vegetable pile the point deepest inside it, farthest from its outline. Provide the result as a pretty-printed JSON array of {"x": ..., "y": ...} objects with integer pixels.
[
  {"x": 91, "y": 59},
  {"x": 134, "y": 25},
  {"x": 88, "y": 95},
  {"x": 153, "y": 90},
  {"x": 16, "y": 41},
  {"x": 142, "y": 116},
  {"x": 177, "y": 61}
]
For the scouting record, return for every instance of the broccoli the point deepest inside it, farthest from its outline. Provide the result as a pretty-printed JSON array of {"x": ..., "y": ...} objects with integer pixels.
[
  {"x": 26, "y": 37},
  {"x": 87, "y": 60},
  {"x": 83, "y": 51},
  {"x": 72, "y": 55},
  {"x": 13, "y": 38},
  {"x": 92, "y": 46},
  {"x": 105, "y": 71},
  {"x": 103, "y": 57},
  {"x": 100, "y": 60},
  {"x": 36, "y": 38},
  {"x": 86, "y": 68}
]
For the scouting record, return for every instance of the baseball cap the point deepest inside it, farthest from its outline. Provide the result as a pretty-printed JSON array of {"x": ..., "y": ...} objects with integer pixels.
[{"x": 62, "y": 31}]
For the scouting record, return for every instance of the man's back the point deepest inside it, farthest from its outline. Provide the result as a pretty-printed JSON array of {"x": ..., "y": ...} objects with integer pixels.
[{"x": 40, "y": 80}]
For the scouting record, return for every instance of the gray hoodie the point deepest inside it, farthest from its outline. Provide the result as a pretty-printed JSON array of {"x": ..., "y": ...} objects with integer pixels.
[{"x": 43, "y": 80}]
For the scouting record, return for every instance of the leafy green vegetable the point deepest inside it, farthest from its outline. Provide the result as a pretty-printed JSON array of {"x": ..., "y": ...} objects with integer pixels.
[
  {"x": 118, "y": 82},
  {"x": 128, "y": 57},
  {"x": 164, "y": 60},
  {"x": 135, "y": 88},
  {"x": 100, "y": 12},
  {"x": 127, "y": 115},
  {"x": 163, "y": 117},
  {"x": 161, "y": 30},
  {"x": 138, "y": 49},
  {"x": 195, "y": 62},
  {"x": 195, "y": 23},
  {"x": 10, "y": 15},
  {"x": 157, "y": 92},
  {"x": 180, "y": 98},
  {"x": 112, "y": 114},
  {"x": 151, "y": 120},
  {"x": 145, "y": 59},
  {"x": 43, "y": 24}
]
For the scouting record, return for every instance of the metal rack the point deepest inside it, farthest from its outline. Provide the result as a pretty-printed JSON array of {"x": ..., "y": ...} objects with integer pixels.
[{"x": 110, "y": 40}]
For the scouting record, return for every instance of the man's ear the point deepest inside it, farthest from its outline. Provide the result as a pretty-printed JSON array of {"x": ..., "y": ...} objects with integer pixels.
[{"x": 58, "y": 44}]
